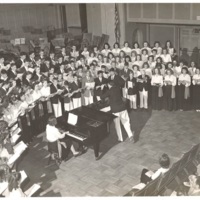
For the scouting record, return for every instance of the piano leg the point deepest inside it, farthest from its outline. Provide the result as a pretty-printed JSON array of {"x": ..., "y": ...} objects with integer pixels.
[{"x": 96, "y": 150}]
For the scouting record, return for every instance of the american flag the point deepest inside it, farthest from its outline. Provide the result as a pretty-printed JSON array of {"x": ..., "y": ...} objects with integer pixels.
[{"x": 117, "y": 29}]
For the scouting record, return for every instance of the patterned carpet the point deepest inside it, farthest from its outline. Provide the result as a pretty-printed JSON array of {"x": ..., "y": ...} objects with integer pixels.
[{"x": 120, "y": 165}]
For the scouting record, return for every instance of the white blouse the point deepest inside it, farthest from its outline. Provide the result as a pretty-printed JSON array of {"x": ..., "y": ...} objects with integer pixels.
[
  {"x": 36, "y": 95},
  {"x": 127, "y": 50},
  {"x": 192, "y": 71},
  {"x": 138, "y": 51},
  {"x": 157, "y": 79},
  {"x": 74, "y": 54},
  {"x": 53, "y": 134},
  {"x": 196, "y": 78},
  {"x": 105, "y": 52},
  {"x": 85, "y": 53},
  {"x": 91, "y": 59},
  {"x": 177, "y": 70},
  {"x": 166, "y": 58},
  {"x": 159, "y": 172},
  {"x": 148, "y": 49},
  {"x": 170, "y": 78},
  {"x": 116, "y": 52},
  {"x": 45, "y": 91},
  {"x": 185, "y": 77}
]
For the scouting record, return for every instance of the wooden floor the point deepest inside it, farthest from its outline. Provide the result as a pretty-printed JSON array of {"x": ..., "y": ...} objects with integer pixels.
[{"x": 120, "y": 166}]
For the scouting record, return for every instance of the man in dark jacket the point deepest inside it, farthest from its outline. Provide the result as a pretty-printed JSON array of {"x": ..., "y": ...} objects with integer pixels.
[{"x": 118, "y": 108}]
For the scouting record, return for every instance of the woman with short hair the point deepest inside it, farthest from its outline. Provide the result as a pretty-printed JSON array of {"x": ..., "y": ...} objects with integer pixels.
[
  {"x": 54, "y": 137},
  {"x": 147, "y": 175}
]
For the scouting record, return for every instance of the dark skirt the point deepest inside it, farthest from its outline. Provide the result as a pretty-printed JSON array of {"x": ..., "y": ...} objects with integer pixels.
[
  {"x": 169, "y": 103},
  {"x": 196, "y": 97},
  {"x": 53, "y": 147},
  {"x": 156, "y": 101},
  {"x": 182, "y": 103},
  {"x": 144, "y": 178}
]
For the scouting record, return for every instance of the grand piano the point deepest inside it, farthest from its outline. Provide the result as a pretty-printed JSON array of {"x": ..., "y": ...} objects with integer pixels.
[{"x": 92, "y": 126}]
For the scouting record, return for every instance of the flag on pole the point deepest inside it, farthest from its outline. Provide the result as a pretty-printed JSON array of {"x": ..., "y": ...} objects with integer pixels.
[{"x": 117, "y": 28}]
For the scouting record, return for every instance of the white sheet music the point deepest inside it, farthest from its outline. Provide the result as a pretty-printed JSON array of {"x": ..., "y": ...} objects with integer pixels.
[
  {"x": 16, "y": 131},
  {"x": 3, "y": 187},
  {"x": 139, "y": 186},
  {"x": 23, "y": 176},
  {"x": 90, "y": 85},
  {"x": 130, "y": 84},
  {"x": 72, "y": 119},
  {"x": 14, "y": 138},
  {"x": 106, "y": 109},
  {"x": 34, "y": 188},
  {"x": 149, "y": 173},
  {"x": 13, "y": 158},
  {"x": 31, "y": 69},
  {"x": 20, "y": 147}
]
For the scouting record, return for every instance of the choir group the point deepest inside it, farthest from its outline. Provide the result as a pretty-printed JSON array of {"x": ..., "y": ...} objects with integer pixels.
[{"x": 148, "y": 77}]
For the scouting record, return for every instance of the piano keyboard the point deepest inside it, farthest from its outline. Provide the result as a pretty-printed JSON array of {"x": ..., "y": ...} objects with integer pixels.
[{"x": 76, "y": 135}]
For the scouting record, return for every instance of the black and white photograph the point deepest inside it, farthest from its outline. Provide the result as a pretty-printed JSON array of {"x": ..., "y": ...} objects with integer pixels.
[{"x": 99, "y": 99}]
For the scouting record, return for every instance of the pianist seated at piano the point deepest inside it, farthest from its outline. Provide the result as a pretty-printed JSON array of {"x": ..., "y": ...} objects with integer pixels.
[
  {"x": 56, "y": 140},
  {"x": 148, "y": 175}
]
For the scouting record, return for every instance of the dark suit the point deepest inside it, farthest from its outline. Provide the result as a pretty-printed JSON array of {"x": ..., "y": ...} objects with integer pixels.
[
  {"x": 53, "y": 89},
  {"x": 2, "y": 92},
  {"x": 12, "y": 75},
  {"x": 116, "y": 102},
  {"x": 26, "y": 82},
  {"x": 60, "y": 72},
  {"x": 44, "y": 68},
  {"x": 66, "y": 98},
  {"x": 125, "y": 73},
  {"x": 73, "y": 87},
  {"x": 19, "y": 63},
  {"x": 132, "y": 91},
  {"x": 22, "y": 70},
  {"x": 99, "y": 92},
  {"x": 144, "y": 85},
  {"x": 118, "y": 80}
]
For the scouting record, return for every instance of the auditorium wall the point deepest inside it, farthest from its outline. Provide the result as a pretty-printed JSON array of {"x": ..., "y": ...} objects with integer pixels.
[{"x": 16, "y": 16}]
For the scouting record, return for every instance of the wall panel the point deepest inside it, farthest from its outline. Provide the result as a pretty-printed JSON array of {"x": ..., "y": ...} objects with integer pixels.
[{"x": 181, "y": 13}]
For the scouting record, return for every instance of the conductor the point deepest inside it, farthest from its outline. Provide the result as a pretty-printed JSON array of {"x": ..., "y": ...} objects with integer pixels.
[{"x": 118, "y": 108}]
